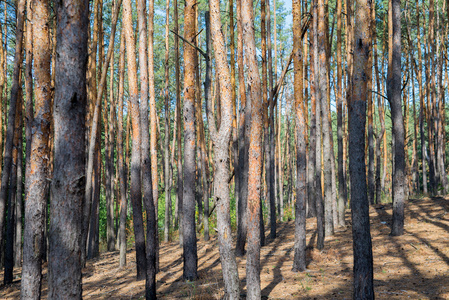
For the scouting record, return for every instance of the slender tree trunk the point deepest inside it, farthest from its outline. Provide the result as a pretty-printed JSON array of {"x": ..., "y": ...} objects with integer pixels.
[
  {"x": 36, "y": 179},
  {"x": 255, "y": 152},
  {"x": 136, "y": 187},
  {"x": 189, "y": 233},
  {"x": 311, "y": 199},
  {"x": 363, "y": 256},
  {"x": 92, "y": 169},
  {"x": 244, "y": 123},
  {"x": 123, "y": 172},
  {"x": 10, "y": 225},
  {"x": 147, "y": 85},
  {"x": 68, "y": 183},
  {"x": 180, "y": 172},
  {"x": 7, "y": 158},
  {"x": 394, "y": 96},
  {"x": 342, "y": 190},
  {"x": 299, "y": 262},
  {"x": 167, "y": 161},
  {"x": 318, "y": 192}
]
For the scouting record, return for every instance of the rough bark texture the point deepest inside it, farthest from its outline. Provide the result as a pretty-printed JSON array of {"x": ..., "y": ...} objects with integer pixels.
[
  {"x": 342, "y": 188},
  {"x": 394, "y": 96},
  {"x": 326, "y": 128},
  {"x": 221, "y": 140},
  {"x": 318, "y": 191},
  {"x": 299, "y": 262},
  {"x": 146, "y": 84},
  {"x": 37, "y": 183},
  {"x": 123, "y": 172},
  {"x": 363, "y": 256},
  {"x": 68, "y": 183},
  {"x": 135, "y": 188},
  {"x": 244, "y": 125},
  {"x": 255, "y": 153},
  {"x": 8, "y": 147},
  {"x": 167, "y": 160},
  {"x": 188, "y": 221}
]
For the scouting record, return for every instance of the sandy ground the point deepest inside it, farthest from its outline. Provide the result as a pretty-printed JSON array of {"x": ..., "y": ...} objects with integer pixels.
[{"x": 413, "y": 266}]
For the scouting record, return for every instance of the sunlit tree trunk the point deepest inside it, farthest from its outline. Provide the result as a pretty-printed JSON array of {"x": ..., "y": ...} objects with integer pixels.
[
  {"x": 134, "y": 110},
  {"x": 299, "y": 262},
  {"x": 220, "y": 139},
  {"x": 167, "y": 161},
  {"x": 255, "y": 152}
]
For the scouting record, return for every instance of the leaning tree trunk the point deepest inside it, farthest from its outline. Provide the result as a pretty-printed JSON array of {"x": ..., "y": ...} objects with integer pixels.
[{"x": 69, "y": 180}]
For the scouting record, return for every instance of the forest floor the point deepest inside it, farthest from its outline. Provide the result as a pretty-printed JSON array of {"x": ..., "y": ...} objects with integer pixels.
[{"x": 412, "y": 266}]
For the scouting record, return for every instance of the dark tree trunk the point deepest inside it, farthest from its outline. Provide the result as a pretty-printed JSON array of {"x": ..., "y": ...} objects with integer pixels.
[
  {"x": 10, "y": 225},
  {"x": 123, "y": 172},
  {"x": 15, "y": 87},
  {"x": 244, "y": 125},
  {"x": 394, "y": 95},
  {"x": 146, "y": 84},
  {"x": 69, "y": 180},
  {"x": 363, "y": 256},
  {"x": 188, "y": 222}
]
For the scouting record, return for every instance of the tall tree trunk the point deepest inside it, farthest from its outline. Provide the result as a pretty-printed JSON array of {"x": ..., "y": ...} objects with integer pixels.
[
  {"x": 92, "y": 168},
  {"x": 147, "y": 85},
  {"x": 10, "y": 225},
  {"x": 221, "y": 139},
  {"x": 326, "y": 127},
  {"x": 317, "y": 187},
  {"x": 180, "y": 172},
  {"x": 363, "y": 256},
  {"x": 299, "y": 262},
  {"x": 38, "y": 172},
  {"x": 342, "y": 189},
  {"x": 136, "y": 187},
  {"x": 68, "y": 183},
  {"x": 394, "y": 96},
  {"x": 7, "y": 158},
  {"x": 123, "y": 172},
  {"x": 255, "y": 152},
  {"x": 421, "y": 103},
  {"x": 167, "y": 160},
  {"x": 244, "y": 126},
  {"x": 188, "y": 222}
]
